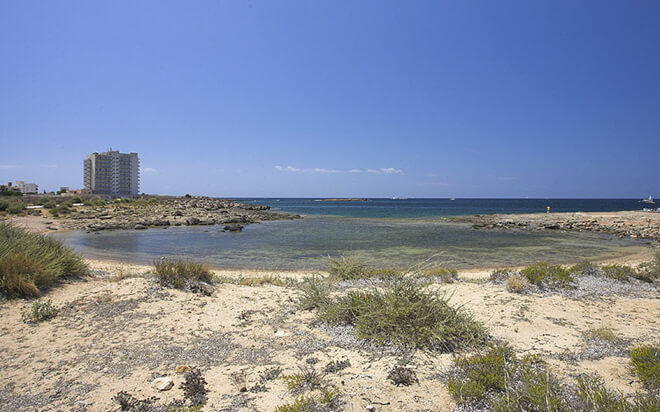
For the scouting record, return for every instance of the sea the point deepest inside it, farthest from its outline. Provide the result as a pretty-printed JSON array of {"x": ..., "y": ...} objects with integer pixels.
[{"x": 399, "y": 233}]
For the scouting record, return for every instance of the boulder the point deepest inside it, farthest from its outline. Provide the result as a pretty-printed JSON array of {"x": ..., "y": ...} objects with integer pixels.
[
  {"x": 192, "y": 221},
  {"x": 164, "y": 383}
]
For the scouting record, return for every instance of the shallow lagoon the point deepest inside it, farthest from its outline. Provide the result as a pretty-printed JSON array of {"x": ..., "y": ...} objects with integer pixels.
[{"x": 307, "y": 243}]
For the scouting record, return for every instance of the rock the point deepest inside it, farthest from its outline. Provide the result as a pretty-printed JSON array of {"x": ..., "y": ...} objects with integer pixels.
[
  {"x": 139, "y": 227},
  {"x": 234, "y": 228},
  {"x": 202, "y": 288},
  {"x": 370, "y": 408},
  {"x": 177, "y": 213},
  {"x": 182, "y": 369},
  {"x": 192, "y": 221},
  {"x": 163, "y": 384},
  {"x": 280, "y": 333}
]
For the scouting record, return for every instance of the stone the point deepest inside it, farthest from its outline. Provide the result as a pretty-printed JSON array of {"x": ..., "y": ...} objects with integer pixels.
[
  {"x": 182, "y": 369},
  {"x": 192, "y": 221},
  {"x": 139, "y": 227},
  {"x": 164, "y": 383}
]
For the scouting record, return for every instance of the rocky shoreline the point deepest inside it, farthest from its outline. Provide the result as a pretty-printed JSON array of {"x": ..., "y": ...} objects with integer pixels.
[
  {"x": 633, "y": 224},
  {"x": 154, "y": 212}
]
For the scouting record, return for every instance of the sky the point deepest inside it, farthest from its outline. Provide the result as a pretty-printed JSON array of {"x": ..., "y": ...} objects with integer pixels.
[{"x": 337, "y": 98}]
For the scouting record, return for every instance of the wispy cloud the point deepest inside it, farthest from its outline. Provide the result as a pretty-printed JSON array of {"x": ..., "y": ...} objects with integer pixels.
[
  {"x": 149, "y": 170},
  {"x": 504, "y": 178},
  {"x": 8, "y": 166},
  {"x": 386, "y": 170},
  {"x": 382, "y": 170}
]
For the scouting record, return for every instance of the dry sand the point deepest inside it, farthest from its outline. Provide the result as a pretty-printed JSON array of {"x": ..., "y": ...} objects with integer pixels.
[{"x": 118, "y": 329}]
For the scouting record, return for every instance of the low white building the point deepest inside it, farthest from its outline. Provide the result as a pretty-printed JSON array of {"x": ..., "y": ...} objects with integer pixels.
[{"x": 26, "y": 187}]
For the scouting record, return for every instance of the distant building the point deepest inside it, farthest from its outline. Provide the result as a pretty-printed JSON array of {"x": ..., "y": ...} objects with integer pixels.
[
  {"x": 26, "y": 187},
  {"x": 112, "y": 173}
]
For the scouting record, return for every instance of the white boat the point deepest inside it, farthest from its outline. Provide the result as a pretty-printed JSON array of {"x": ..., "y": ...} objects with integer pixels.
[
  {"x": 649, "y": 200},
  {"x": 452, "y": 198}
]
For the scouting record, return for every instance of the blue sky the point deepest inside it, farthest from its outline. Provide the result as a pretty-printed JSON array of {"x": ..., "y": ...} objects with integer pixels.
[{"x": 337, "y": 98}]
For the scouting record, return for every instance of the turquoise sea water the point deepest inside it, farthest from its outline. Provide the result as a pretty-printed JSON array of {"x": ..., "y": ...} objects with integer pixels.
[{"x": 395, "y": 233}]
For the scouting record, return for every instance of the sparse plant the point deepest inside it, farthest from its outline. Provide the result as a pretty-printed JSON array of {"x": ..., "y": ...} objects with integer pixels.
[
  {"x": 130, "y": 403},
  {"x": 548, "y": 276},
  {"x": 501, "y": 275},
  {"x": 306, "y": 380},
  {"x": 592, "y": 395},
  {"x": 585, "y": 268},
  {"x": 402, "y": 376},
  {"x": 500, "y": 381},
  {"x": 39, "y": 311},
  {"x": 315, "y": 292},
  {"x": 346, "y": 268},
  {"x": 16, "y": 208},
  {"x": 180, "y": 273},
  {"x": 445, "y": 275},
  {"x": 646, "y": 364},
  {"x": 649, "y": 271},
  {"x": 516, "y": 283},
  {"x": 605, "y": 333},
  {"x": 406, "y": 314},
  {"x": 194, "y": 387},
  {"x": 618, "y": 272},
  {"x": 336, "y": 366}
]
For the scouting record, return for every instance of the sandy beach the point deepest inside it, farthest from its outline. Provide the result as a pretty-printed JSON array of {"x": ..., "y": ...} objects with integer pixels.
[{"x": 119, "y": 329}]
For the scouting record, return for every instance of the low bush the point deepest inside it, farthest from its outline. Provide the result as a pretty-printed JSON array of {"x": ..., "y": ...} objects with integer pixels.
[
  {"x": 406, "y": 314},
  {"x": 16, "y": 208},
  {"x": 497, "y": 380},
  {"x": 619, "y": 272},
  {"x": 179, "y": 273},
  {"x": 445, "y": 275},
  {"x": 402, "y": 376},
  {"x": 592, "y": 395},
  {"x": 546, "y": 276},
  {"x": 646, "y": 363},
  {"x": 50, "y": 205},
  {"x": 307, "y": 379},
  {"x": 39, "y": 311},
  {"x": 315, "y": 293},
  {"x": 346, "y": 268},
  {"x": 649, "y": 271},
  {"x": 602, "y": 333},
  {"x": 516, "y": 283},
  {"x": 31, "y": 262},
  {"x": 503, "y": 382}
]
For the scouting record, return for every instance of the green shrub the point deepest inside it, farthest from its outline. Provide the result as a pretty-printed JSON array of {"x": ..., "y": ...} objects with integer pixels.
[
  {"x": 444, "y": 274},
  {"x": 306, "y": 380},
  {"x": 646, "y": 363},
  {"x": 346, "y": 268},
  {"x": 315, "y": 292},
  {"x": 16, "y": 208},
  {"x": 4, "y": 205},
  {"x": 545, "y": 275},
  {"x": 178, "y": 273},
  {"x": 50, "y": 205},
  {"x": 594, "y": 396},
  {"x": 31, "y": 262},
  {"x": 603, "y": 333},
  {"x": 407, "y": 314},
  {"x": 500, "y": 381},
  {"x": 618, "y": 272},
  {"x": 39, "y": 311}
]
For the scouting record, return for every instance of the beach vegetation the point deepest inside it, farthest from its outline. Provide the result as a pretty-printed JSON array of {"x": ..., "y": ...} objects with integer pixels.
[
  {"x": 646, "y": 364},
  {"x": 605, "y": 333},
  {"x": 618, "y": 272},
  {"x": 516, "y": 283},
  {"x": 50, "y": 205},
  {"x": 649, "y": 271},
  {"x": 39, "y": 311},
  {"x": 592, "y": 395},
  {"x": 546, "y": 276},
  {"x": 179, "y": 273},
  {"x": 30, "y": 262},
  {"x": 15, "y": 208},
  {"x": 315, "y": 293},
  {"x": 402, "y": 376},
  {"x": 346, "y": 268},
  {"x": 585, "y": 268},
  {"x": 501, "y": 381},
  {"x": 267, "y": 279},
  {"x": 406, "y": 314},
  {"x": 445, "y": 275},
  {"x": 306, "y": 380}
]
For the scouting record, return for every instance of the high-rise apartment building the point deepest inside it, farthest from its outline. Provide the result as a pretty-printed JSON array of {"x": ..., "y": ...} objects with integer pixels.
[{"x": 112, "y": 173}]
